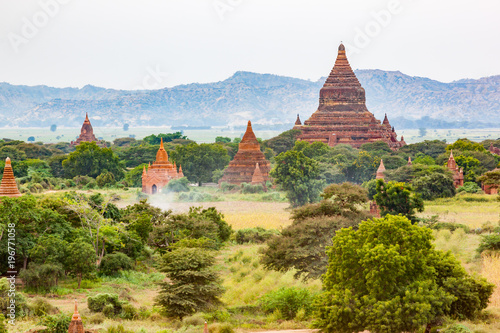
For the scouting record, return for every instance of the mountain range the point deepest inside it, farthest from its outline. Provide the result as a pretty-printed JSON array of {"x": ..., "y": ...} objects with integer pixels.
[{"x": 268, "y": 100}]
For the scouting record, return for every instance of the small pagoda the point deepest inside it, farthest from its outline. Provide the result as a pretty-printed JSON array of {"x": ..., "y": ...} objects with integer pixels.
[
  {"x": 249, "y": 164},
  {"x": 342, "y": 116},
  {"x": 160, "y": 172},
  {"x": 458, "y": 173},
  {"x": 8, "y": 185},
  {"x": 86, "y": 133},
  {"x": 76, "y": 324}
]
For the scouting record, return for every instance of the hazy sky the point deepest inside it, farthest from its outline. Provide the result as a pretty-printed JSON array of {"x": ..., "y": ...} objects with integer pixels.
[{"x": 119, "y": 43}]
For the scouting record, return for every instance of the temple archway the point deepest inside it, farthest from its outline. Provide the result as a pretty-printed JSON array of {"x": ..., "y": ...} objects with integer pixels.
[{"x": 154, "y": 189}]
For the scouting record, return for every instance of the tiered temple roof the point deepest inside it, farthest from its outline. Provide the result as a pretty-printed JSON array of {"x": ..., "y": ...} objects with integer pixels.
[
  {"x": 160, "y": 173},
  {"x": 342, "y": 116},
  {"x": 8, "y": 186},
  {"x": 247, "y": 162}
]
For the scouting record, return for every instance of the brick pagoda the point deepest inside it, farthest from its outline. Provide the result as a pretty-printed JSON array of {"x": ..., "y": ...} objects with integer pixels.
[
  {"x": 249, "y": 164},
  {"x": 86, "y": 133},
  {"x": 160, "y": 173},
  {"x": 458, "y": 174},
  {"x": 76, "y": 324},
  {"x": 342, "y": 116},
  {"x": 8, "y": 186}
]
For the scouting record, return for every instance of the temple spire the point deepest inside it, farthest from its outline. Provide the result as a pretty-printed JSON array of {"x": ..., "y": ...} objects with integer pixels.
[
  {"x": 381, "y": 170},
  {"x": 76, "y": 325},
  {"x": 298, "y": 122}
]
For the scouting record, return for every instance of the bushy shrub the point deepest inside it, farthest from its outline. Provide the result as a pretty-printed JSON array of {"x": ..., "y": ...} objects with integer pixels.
[
  {"x": 449, "y": 226},
  {"x": 118, "y": 329},
  {"x": 129, "y": 312},
  {"x": 99, "y": 302},
  {"x": 22, "y": 308},
  {"x": 197, "y": 197},
  {"x": 40, "y": 307},
  {"x": 81, "y": 181},
  {"x": 469, "y": 187},
  {"x": 178, "y": 185},
  {"x": 56, "y": 323},
  {"x": 194, "y": 320},
  {"x": 457, "y": 328},
  {"x": 114, "y": 263},
  {"x": 220, "y": 328},
  {"x": 249, "y": 188},
  {"x": 105, "y": 179},
  {"x": 371, "y": 186},
  {"x": 275, "y": 196},
  {"x": 226, "y": 187},
  {"x": 3, "y": 328},
  {"x": 288, "y": 301},
  {"x": 97, "y": 318},
  {"x": 254, "y": 235},
  {"x": 41, "y": 277},
  {"x": 489, "y": 242}
]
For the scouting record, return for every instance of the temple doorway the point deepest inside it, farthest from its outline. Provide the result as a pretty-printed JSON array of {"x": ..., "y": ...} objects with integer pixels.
[{"x": 154, "y": 189}]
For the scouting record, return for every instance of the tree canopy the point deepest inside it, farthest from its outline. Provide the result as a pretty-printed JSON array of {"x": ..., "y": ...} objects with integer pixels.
[{"x": 387, "y": 277}]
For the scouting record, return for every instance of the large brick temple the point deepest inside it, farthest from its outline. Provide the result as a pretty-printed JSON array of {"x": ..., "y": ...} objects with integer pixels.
[
  {"x": 342, "y": 116},
  {"x": 160, "y": 172},
  {"x": 249, "y": 164}
]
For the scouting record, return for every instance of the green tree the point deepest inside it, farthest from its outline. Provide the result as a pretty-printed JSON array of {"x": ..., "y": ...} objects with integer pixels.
[
  {"x": 199, "y": 161},
  {"x": 432, "y": 148},
  {"x": 436, "y": 185},
  {"x": 466, "y": 145},
  {"x": 49, "y": 249},
  {"x": 193, "y": 283},
  {"x": 222, "y": 139},
  {"x": 133, "y": 177},
  {"x": 91, "y": 160},
  {"x": 283, "y": 142},
  {"x": 387, "y": 277},
  {"x": 80, "y": 259},
  {"x": 491, "y": 178},
  {"x": 301, "y": 246},
  {"x": 398, "y": 198},
  {"x": 155, "y": 139},
  {"x": 105, "y": 179},
  {"x": 299, "y": 177}
]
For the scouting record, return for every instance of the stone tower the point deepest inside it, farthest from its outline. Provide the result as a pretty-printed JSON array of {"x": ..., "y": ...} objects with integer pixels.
[
  {"x": 76, "y": 325},
  {"x": 458, "y": 174},
  {"x": 86, "y": 133},
  {"x": 8, "y": 186},
  {"x": 243, "y": 167},
  {"x": 380, "y": 170},
  {"x": 342, "y": 116},
  {"x": 160, "y": 173}
]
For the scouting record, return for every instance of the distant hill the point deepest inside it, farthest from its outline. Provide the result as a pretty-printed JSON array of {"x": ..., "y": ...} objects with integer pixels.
[{"x": 268, "y": 100}]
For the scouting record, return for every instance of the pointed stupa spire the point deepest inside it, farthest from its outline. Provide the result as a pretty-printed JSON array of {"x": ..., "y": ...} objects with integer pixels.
[
  {"x": 386, "y": 120},
  {"x": 205, "y": 329},
  {"x": 381, "y": 170},
  {"x": 409, "y": 160},
  {"x": 342, "y": 74},
  {"x": 181, "y": 174},
  {"x": 257, "y": 177},
  {"x": 144, "y": 170},
  {"x": 298, "y": 122},
  {"x": 87, "y": 117},
  {"x": 161, "y": 155},
  {"x": 8, "y": 185}
]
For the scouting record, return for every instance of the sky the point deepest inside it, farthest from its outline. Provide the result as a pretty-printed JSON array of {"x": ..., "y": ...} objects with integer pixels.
[{"x": 152, "y": 44}]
